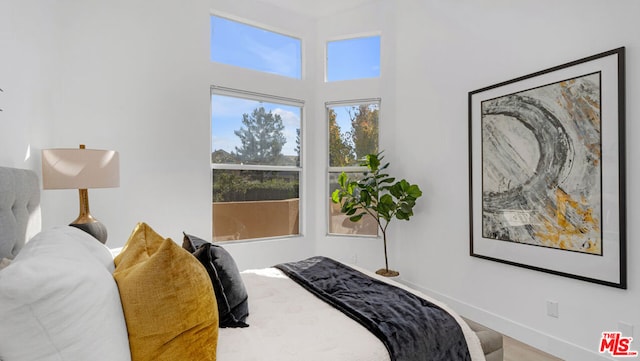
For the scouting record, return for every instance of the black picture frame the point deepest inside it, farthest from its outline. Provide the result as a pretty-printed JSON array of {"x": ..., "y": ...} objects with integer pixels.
[{"x": 547, "y": 170}]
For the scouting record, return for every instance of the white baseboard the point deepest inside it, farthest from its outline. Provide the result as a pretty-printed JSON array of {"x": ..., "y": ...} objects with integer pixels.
[{"x": 542, "y": 341}]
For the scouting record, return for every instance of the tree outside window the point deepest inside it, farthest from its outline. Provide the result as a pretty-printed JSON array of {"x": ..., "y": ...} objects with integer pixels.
[
  {"x": 255, "y": 161},
  {"x": 353, "y": 133}
]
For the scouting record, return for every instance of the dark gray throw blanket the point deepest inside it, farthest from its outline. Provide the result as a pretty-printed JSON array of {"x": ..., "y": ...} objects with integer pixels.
[{"x": 411, "y": 328}]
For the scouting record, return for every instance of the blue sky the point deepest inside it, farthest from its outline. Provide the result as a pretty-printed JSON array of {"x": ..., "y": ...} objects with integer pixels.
[
  {"x": 353, "y": 58},
  {"x": 226, "y": 117},
  {"x": 254, "y": 48}
]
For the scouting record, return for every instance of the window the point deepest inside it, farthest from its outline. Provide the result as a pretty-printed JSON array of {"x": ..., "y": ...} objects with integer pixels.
[
  {"x": 353, "y": 58},
  {"x": 255, "y": 161},
  {"x": 243, "y": 45},
  {"x": 353, "y": 133}
]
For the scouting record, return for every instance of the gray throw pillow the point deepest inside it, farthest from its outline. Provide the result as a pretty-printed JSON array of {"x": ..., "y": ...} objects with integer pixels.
[{"x": 231, "y": 294}]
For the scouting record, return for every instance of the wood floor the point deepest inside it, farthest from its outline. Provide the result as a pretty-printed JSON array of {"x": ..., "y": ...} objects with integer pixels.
[{"x": 518, "y": 351}]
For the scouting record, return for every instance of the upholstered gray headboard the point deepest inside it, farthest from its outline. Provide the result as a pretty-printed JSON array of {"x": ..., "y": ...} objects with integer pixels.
[{"x": 20, "y": 217}]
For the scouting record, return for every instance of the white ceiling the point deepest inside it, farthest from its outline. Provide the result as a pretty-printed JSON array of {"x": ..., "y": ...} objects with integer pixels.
[{"x": 317, "y": 8}]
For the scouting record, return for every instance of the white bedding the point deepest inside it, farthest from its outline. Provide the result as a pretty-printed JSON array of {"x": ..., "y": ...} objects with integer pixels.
[{"x": 287, "y": 323}]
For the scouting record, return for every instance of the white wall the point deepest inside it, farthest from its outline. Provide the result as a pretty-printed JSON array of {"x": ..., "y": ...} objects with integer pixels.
[
  {"x": 374, "y": 18},
  {"x": 134, "y": 76},
  {"x": 28, "y": 41},
  {"x": 445, "y": 49},
  {"x": 131, "y": 79}
]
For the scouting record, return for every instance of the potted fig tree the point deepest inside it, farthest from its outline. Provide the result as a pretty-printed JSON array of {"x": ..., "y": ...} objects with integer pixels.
[{"x": 376, "y": 195}]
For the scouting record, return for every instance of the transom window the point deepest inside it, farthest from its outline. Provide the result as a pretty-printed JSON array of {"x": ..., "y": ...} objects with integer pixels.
[
  {"x": 354, "y": 58},
  {"x": 251, "y": 47}
]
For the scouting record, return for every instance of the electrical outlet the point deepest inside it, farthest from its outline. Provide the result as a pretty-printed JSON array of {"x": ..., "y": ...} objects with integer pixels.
[
  {"x": 552, "y": 309},
  {"x": 625, "y": 328}
]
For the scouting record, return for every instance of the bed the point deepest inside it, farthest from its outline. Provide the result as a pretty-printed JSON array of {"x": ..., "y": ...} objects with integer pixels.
[{"x": 152, "y": 300}]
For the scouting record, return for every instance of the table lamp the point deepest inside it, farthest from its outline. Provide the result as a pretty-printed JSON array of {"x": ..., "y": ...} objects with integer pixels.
[{"x": 82, "y": 169}]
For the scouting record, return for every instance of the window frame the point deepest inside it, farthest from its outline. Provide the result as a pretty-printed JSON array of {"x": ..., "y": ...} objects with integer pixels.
[
  {"x": 268, "y": 98},
  {"x": 347, "y": 169}
]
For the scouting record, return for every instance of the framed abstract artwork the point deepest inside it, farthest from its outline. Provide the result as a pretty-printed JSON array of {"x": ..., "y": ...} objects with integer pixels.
[{"x": 547, "y": 170}]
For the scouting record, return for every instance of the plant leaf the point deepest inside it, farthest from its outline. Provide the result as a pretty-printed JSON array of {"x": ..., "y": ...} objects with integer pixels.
[
  {"x": 335, "y": 196},
  {"x": 387, "y": 180},
  {"x": 376, "y": 193},
  {"x": 373, "y": 162},
  {"x": 414, "y": 191},
  {"x": 396, "y": 190},
  {"x": 343, "y": 179}
]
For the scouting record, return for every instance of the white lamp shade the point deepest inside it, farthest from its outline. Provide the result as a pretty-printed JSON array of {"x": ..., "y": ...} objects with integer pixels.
[{"x": 80, "y": 168}]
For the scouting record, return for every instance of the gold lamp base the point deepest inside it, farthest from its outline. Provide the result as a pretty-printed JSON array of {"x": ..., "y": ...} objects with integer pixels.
[
  {"x": 86, "y": 222},
  {"x": 96, "y": 229},
  {"x": 387, "y": 272}
]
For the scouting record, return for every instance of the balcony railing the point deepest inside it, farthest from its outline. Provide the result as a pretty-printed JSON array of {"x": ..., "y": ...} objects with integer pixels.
[
  {"x": 261, "y": 219},
  {"x": 255, "y": 219}
]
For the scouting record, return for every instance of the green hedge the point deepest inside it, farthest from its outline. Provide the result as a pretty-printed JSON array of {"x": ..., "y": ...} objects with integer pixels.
[{"x": 230, "y": 186}]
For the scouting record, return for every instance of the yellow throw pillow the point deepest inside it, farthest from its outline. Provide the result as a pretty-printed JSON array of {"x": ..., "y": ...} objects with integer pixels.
[{"x": 168, "y": 300}]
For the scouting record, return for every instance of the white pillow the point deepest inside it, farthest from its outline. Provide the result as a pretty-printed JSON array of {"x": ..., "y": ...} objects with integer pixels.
[{"x": 59, "y": 301}]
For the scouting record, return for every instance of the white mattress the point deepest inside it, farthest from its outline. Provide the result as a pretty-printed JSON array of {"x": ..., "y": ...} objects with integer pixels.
[{"x": 287, "y": 323}]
